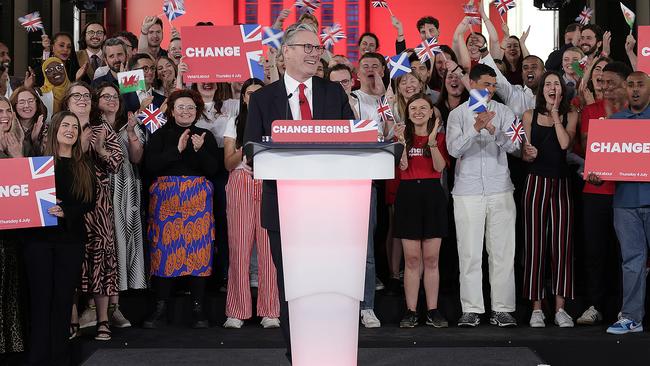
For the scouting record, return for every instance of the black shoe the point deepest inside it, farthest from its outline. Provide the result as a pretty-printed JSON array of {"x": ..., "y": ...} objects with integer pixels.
[
  {"x": 502, "y": 319},
  {"x": 409, "y": 320},
  {"x": 393, "y": 287},
  {"x": 435, "y": 318},
  {"x": 158, "y": 317},
  {"x": 199, "y": 320},
  {"x": 469, "y": 320}
]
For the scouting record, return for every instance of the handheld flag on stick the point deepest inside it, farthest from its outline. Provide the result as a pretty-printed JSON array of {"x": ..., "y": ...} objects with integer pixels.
[
  {"x": 472, "y": 13},
  {"x": 32, "y": 22},
  {"x": 580, "y": 66},
  {"x": 478, "y": 100},
  {"x": 173, "y": 8},
  {"x": 152, "y": 118},
  {"x": 272, "y": 37},
  {"x": 585, "y": 16},
  {"x": 516, "y": 131},
  {"x": 130, "y": 81},
  {"x": 382, "y": 4},
  {"x": 332, "y": 35},
  {"x": 384, "y": 111},
  {"x": 629, "y": 16},
  {"x": 399, "y": 65},
  {"x": 307, "y": 6},
  {"x": 503, "y": 6}
]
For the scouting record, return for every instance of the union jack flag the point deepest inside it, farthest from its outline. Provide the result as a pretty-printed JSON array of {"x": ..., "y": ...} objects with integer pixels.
[
  {"x": 504, "y": 5},
  {"x": 332, "y": 35},
  {"x": 32, "y": 22},
  {"x": 384, "y": 111},
  {"x": 307, "y": 6},
  {"x": 428, "y": 49},
  {"x": 174, "y": 8},
  {"x": 399, "y": 65},
  {"x": 363, "y": 125},
  {"x": 516, "y": 131},
  {"x": 585, "y": 16},
  {"x": 252, "y": 33},
  {"x": 152, "y": 118},
  {"x": 472, "y": 13},
  {"x": 478, "y": 100},
  {"x": 380, "y": 4},
  {"x": 272, "y": 37},
  {"x": 42, "y": 167}
]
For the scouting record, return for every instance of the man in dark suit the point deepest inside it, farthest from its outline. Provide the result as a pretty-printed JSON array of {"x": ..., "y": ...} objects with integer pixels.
[
  {"x": 298, "y": 95},
  {"x": 114, "y": 51},
  {"x": 133, "y": 100}
]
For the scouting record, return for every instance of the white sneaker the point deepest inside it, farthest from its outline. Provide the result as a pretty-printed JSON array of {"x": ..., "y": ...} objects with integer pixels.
[
  {"x": 233, "y": 323},
  {"x": 591, "y": 316},
  {"x": 537, "y": 319},
  {"x": 88, "y": 317},
  {"x": 563, "y": 320},
  {"x": 268, "y": 323},
  {"x": 369, "y": 319}
]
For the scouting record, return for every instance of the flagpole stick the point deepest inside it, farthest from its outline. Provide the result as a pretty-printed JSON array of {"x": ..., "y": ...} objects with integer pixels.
[
  {"x": 390, "y": 11},
  {"x": 501, "y": 16}
]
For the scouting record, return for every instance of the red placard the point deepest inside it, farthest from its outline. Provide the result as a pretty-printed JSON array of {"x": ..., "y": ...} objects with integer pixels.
[
  {"x": 619, "y": 149},
  {"x": 643, "y": 49},
  {"x": 27, "y": 193},
  {"x": 324, "y": 131},
  {"x": 222, "y": 54}
]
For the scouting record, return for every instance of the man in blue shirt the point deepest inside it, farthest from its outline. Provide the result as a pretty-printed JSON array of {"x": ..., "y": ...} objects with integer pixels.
[{"x": 632, "y": 219}]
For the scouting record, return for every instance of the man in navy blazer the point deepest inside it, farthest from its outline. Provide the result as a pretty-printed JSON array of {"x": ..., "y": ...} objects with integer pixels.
[{"x": 285, "y": 100}]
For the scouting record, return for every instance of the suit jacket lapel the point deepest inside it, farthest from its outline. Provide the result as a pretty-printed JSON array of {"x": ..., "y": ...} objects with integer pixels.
[
  {"x": 318, "y": 98},
  {"x": 281, "y": 101}
]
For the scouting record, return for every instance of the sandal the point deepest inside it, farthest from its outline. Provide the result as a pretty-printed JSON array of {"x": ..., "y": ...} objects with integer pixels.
[
  {"x": 103, "y": 335},
  {"x": 74, "y": 331}
]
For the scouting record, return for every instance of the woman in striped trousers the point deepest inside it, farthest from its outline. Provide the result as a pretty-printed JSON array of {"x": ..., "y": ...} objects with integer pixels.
[
  {"x": 244, "y": 198},
  {"x": 547, "y": 203}
]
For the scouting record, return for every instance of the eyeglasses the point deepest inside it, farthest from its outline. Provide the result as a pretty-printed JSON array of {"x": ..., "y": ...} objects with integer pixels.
[
  {"x": 24, "y": 102},
  {"x": 183, "y": 108},
  {"x": 78, "y": 96},
  {"x": 344, "y": 82},
  {"x": 97, "y": 33},
  {"x": 146, "y": 68},
  {"x": 309, "y": 48},
  {"x": 109, "y": 97},
  {"x": 53, "y": 68}
]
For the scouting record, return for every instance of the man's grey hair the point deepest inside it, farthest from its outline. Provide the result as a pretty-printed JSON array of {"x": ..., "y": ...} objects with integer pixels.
[
  {"x": 291, "y": 31},
  {"x": 114, "y": 42}
]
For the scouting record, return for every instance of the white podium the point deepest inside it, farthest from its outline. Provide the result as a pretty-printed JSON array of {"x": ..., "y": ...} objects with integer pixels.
[{"x": 324, "y": 207}]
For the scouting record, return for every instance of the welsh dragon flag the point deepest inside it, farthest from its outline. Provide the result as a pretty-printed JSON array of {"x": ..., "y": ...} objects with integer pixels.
[
  {"x": 131, "y": 81},
  {"x": 629, "y": 15}
]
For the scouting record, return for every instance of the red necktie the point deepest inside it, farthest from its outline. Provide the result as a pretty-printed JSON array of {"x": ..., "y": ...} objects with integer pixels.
[{"x": 305, "y": 112}]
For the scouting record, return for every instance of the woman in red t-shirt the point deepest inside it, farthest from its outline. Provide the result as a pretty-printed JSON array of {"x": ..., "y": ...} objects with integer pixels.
[{"x": 421, "y": 206}]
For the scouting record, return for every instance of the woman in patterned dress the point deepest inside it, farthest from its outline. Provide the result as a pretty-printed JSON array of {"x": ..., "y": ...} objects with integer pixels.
[
  {"x": 181, "y": 222},
  {"x": 99, "y": 269}
]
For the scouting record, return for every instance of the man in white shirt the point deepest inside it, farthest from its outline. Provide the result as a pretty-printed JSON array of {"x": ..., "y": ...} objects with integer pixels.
[
  {"x": 371, "y": 72},
  {"x": 483, "y": 202}
]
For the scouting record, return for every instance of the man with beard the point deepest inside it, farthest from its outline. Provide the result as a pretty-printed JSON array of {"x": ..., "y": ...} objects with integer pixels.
[
  {"x": 593, "y": 40},
  {"x": 114, "y": 51},
  {"x": 632, "y": 219},
  {"x": 151, "y": 35},
  {"x": 12, "y": 82},
  {"x": 571, "y": 39},
  {"x": 90, "y": 47}
]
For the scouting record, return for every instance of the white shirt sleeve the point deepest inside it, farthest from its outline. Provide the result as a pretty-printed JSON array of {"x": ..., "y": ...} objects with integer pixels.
[{"x": 231, "y": 129}]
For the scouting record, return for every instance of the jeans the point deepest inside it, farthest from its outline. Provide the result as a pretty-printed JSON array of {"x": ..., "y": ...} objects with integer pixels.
[
  {"x": 633, "y": 229},
  {"x": 368, "y": 302}
]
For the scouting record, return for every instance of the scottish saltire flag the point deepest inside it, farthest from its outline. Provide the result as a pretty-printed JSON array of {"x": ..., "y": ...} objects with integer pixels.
[
  {"x": 585, "y": 16},
  {"x": 152, "y": 118},
  {"x": 384, "y": 111},
  {"x": 472, "y": 13},
  {"x": 42, "y": 168},
  {"x": 174, "y": 8},
  {"x": 253, "y": 33},
  {"x": 380, "y": 4},
  {"x": 629, "y": 15},
  {"x": 32, "y": 22},
  {"x": 307, "y": 6},
  {"x": 504, "y": 5},
  {"x": 428, "y": 49},
  {"x": 399, "y": 65},
  {"x": 363, "y": 125},
  {"x": 516, "y": 131},
  {"x": 332, "y": 35},
  {"x": 272, "y": 37},
  {"x": 478, "y": 100}
]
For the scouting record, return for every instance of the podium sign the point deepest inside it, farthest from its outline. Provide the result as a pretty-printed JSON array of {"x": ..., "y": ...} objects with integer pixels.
[{"x": 323, "y": 131}]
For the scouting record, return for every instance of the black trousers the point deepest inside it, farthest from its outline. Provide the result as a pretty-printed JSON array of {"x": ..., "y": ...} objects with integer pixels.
[
  {"x": 276, "y": 253},
  {"x": 600, "y": 246},
  {"x": 53, "y": 272}
]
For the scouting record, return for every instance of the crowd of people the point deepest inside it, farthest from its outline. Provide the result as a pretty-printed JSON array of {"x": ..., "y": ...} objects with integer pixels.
[{"x": 138, "y": 210}]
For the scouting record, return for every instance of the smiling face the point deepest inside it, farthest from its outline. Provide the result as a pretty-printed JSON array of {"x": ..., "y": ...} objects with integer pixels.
[
  {"x": 344, "y": 78},
  {"x": 369, "y": 69},
  {"x": 206, "y": 90},
  {"x": 68, "y": 131},
  {"x": 26, "y": 105},
  {"x": 299, "y": 64},
  {"x": 638, "y": 91},
  {"x": 175, "y": 50},
  {"x": 532, "y": 70},
  {"x": 5, "y": 59},
  {"x": 55, "y": 73},
  {"x": 165, "y": 70},
  {"x": 513, "y": 50},
  {"x": 95, "y": 36},
  {"x": 62, "y": 47},
  {"x": 115, "y": 57},
  {"x": 474, "y": 44},
  {"x": 6, "y": 116},
  {"x": 588, "y": 42},
  {"x": 597, "y": 75},
  {"x": 367, "y": 44},
  {"x": 568, "y": 58},
  {"x": 109, "y": 100},
  {"x": 552, "y": 89},
  {"x": 184, "y": 111},
  {"x": 408, "y": 86},
  {"x": 420, "y": 112},
  {"x": 154, "y": 36},
  {"x": 485, "y": 82},
  {"x": 454, "y": 85},
  {"x": 420, "y": 69},
  {"x": 80, "y": 101},
  {"x": 441, "y": 67},
  {"x": 147, "y": 66}
]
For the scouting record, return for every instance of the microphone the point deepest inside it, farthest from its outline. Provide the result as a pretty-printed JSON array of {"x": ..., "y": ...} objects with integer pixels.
[
  {"x": 358, "y": 103},
  {"x": 286, "y": 110}
]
